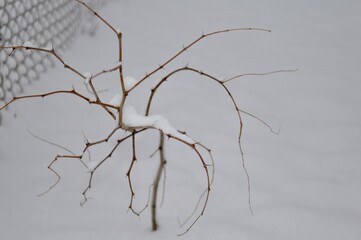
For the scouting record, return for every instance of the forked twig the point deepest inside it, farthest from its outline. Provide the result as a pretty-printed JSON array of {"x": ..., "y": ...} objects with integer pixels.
[{"x": 92, "y": 171}]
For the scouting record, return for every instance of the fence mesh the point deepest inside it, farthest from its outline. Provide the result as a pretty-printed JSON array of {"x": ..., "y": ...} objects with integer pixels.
[{"x": 44, "y": 23}]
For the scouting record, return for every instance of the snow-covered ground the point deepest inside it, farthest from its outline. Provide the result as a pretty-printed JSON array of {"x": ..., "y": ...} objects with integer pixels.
[{"x": 304, "y": 180}]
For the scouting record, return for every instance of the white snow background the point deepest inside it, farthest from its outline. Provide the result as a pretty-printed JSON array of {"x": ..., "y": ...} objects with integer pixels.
[{"x": 305, "y": 181}]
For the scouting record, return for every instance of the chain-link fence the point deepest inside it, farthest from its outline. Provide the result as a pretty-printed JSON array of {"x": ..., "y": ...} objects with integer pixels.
[{"x": 44, "y": 23}]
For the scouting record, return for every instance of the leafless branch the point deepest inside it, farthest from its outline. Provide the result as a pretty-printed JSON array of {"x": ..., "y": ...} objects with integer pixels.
[
  {"x": 51, "y": 143},
  {"x": 132, "y": 193},
  {"x": 181, "y": 224},
  {"x": 258, "y": 74},
  {"x": 235, "y": 105},
  {"x": 158, "y": 176}
]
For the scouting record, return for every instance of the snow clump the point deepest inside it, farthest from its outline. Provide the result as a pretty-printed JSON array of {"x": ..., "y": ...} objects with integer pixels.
[
  {"x": 116, "y": 100},
  {"x": 129, "y": 82},
  {"x": 87, "y": 76},
  {"x": 29, "y": 44},
  {"x": 134, "y": 120}
]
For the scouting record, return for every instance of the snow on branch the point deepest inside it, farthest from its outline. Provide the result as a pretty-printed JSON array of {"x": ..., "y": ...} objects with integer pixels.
[{"x": 132, "y": 119}]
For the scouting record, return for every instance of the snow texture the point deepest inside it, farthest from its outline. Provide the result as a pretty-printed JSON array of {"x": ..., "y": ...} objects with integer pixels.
[
  {"x": 87, "y": 76},
  {"x": 29, "y": 44},
  {"x": 129, "y": 82},
  {"x": 116, "y": 100},
  {"x": 134, "y": 120},
  {"x": 91, "y": 165},
  {"x": 304, "y": 182}
]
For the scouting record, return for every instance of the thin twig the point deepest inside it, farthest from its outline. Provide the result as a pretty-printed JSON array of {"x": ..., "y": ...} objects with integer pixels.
[
  {"x": 258, "y": 74},
  {"x": 148, "y": 200},
  {"x": 51, "y": 143},
  {"x": 89, "y": 144},
  {"x": 98, "y": 98},
  {"x": 55, "y": 173},
  {"x": 181, "y": 224}
]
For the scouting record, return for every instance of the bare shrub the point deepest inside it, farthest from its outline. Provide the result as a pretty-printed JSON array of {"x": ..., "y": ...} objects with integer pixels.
[{"x": 135, "y": 123}]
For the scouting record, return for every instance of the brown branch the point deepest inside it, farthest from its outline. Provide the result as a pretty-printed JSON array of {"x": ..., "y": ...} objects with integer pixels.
[
  {"x": 104, "y": 140},
  {"x": 164, "y": 176},
  {"x": 156, "y": 181},
  {"x": 205, "y": 166},
  {"x": 132, "y": 193},
  {"x": 98, "y": 99},
  {"x": 55, "y": 173},
  {"x": 119, "y": 36},
  {"x": 221, "y": 82},
  {"x": 46, "y": 50},
  {"x": 98, "y": 16},
  {"x": 204, "y": 192},
  {"x": 235, "y": 105},
  {"x": 106, "y": 71},
  {"x": 164, "y": 183},
  {"x": 72, "y": 92},
  {"x": 185, "y": 48}
]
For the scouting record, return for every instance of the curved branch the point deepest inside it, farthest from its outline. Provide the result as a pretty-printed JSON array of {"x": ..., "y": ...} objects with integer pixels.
[
  {"x": 235, "y": 105},
  {"x": 55, "y": 173},
  {"x": 164, "y": 79},
  {"x": 205, "y": 166},
  {"x": 181, "y": 224}
]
